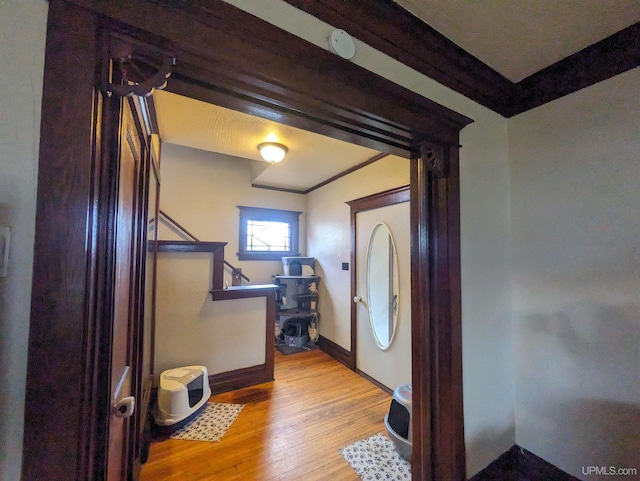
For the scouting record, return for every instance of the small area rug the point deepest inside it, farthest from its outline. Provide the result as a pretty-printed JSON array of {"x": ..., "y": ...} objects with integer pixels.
[
  {"x": 211, "y": 424},
  {"x": 375, "y": 458}
]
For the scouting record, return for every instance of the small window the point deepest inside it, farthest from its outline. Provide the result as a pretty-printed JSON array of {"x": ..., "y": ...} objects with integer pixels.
[{"x": 267, "y": 234}]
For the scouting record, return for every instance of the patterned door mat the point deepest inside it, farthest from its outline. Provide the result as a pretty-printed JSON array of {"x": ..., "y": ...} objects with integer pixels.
[
  {"x": 211, "y": 424},
  {"x": 375, "y": 458}
]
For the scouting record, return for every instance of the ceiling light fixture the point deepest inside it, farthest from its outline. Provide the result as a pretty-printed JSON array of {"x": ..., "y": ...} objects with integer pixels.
[{"x": 272, "y": 151}]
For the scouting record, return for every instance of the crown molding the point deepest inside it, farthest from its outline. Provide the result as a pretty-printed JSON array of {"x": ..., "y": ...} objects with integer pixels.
[
  {"x": 387, "y": 27},
  {"x": 605, "y": 59}
]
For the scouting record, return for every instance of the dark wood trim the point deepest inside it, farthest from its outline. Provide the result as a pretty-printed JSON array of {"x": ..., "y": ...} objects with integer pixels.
[
  {"x": 261, "y": 70},
  {"x": 154, "y": 176},
  {"x": 389, "y": 28},
  {"x": 337, "y": 352},
  {"x": 141, "y": 380},
  {"x": 217, "y": 281},
  {"x": 270, "y": 323},
  {"x": 375, "y": 382},
  {"x": 353, "y": 278},
  {"x": 239, "y": 378},
  {"x": 268, "y": 291},
  {"x": 243, "y": 292},
  {"x": 278, "y": 189},
  {"x": 421, "y": 362},
  {"x": 216, "y": 248},
  {"x": 67, "y": 301},
  {"x": 324, "y": 182},
  {"x": 189, "y": 246},
  {"x": 264, "y": 214},
  {"x": 177, "y": 225},
  {"x": 396, "y": 195},
  {"x": 605, "y": 59},
  {"x": 446, "y": 324},
  {"x": 450, "y": 322},
  {"x": 373, "y": 201},
  {"x": 531, "y": 466},
  {"x": 266, "y": 256},
  {"x": 350, "y": 170},
  {"x": 517, "y": 463},
  {"x": 505, "y": 467},
  {"x": 286, "y": 79},
  {"x": 267, "y": 213},
  {"x": 237, "y": 273},
  {"x": 436, "y": 316}
]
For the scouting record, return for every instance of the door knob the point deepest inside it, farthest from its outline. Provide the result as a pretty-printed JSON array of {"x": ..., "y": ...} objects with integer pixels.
[
  {"x": 124, "y": 408},
  {"x": 357, "y": 299}
]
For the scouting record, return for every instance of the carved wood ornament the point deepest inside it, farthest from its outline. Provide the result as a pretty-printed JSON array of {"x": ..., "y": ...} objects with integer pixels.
[
  {"x": 435, "y": 158},
  {"x": 135, "y": 68}
]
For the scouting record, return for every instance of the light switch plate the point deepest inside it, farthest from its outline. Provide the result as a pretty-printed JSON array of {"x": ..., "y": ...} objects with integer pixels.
[{"x": 5, "y": 242}]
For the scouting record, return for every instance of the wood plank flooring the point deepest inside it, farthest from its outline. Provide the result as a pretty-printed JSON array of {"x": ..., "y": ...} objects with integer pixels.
[{"x": 290, "y": 429}]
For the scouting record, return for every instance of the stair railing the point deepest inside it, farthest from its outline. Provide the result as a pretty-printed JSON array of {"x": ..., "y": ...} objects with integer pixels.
[{"x": 236, "y": 273}]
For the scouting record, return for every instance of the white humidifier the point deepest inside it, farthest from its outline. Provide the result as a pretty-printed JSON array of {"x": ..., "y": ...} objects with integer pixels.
[{"x": 182, "y": 394}]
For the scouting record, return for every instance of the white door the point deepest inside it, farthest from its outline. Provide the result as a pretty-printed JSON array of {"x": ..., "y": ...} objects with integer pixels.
[{"x": 390, "y": 367}]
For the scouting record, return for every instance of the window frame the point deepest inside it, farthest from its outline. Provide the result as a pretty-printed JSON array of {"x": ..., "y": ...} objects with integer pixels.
[{"x": 268, "y": 215}]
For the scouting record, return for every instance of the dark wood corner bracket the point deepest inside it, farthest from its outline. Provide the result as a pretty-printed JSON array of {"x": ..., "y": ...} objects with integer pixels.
[
  {"x": 435, "y": 158},
  {"x": 134, "y": 68},
  {"x": 389, "y": 28}
]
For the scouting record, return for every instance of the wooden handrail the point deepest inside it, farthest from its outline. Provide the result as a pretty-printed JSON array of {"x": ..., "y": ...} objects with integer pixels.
[
  {"x": 235, "y": 271},
  {"x": 185, "y": 231}
]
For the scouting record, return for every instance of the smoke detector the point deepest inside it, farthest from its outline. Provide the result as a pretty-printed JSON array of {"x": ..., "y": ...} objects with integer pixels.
[{"x": 341, "y": 43}]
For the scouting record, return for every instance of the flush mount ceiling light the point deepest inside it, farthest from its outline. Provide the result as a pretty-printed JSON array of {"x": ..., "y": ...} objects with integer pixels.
[{"x": 272, "y": 151}]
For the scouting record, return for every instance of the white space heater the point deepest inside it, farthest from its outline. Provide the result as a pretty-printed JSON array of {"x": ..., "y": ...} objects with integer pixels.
[
  {"x": 182, "y": 395},
  {"x": 398, "y": 420}
]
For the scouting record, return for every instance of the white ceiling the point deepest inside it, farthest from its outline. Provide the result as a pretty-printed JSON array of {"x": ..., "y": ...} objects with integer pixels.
[
  {"x": 514, "y": 37},
  {"x": 519, "y": 37},
  {"x": 311, "y": 159}
]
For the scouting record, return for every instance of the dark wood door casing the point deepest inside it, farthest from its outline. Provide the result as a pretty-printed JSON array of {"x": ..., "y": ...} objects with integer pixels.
[
  {"x": 373, "y": 201},
  {"x": 64, "y": 332},
  {"x": 300, "y": 85},
  {"x": 130, "y": 163},
  {"x": 125, "y": 293},
  {"x": 437, "y": 369}
]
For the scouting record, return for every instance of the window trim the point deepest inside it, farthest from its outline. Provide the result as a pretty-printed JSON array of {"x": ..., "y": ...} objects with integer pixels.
[{"x": 269, "y": 215}]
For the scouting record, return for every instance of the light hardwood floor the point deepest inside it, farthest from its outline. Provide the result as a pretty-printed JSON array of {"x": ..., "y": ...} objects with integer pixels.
[{"x": 290, "y": 429}]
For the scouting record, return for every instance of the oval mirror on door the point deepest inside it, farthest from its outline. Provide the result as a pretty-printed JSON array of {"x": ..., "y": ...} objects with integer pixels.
[{"x": 382, "y": 285}]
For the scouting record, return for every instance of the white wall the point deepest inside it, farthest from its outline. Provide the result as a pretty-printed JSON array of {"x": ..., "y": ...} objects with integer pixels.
[
  {"x": 486, "y": 323},
  {"x": 22, "y": 33},
  {"x": 575, "y": 204},
  {"x": 201, "y": 191},
  {"x": 329, "y": 238},
  {"x": 487, "y": 335},
  {"x": 192, "y": 329},
  {"x": 329, "y": 241}
]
